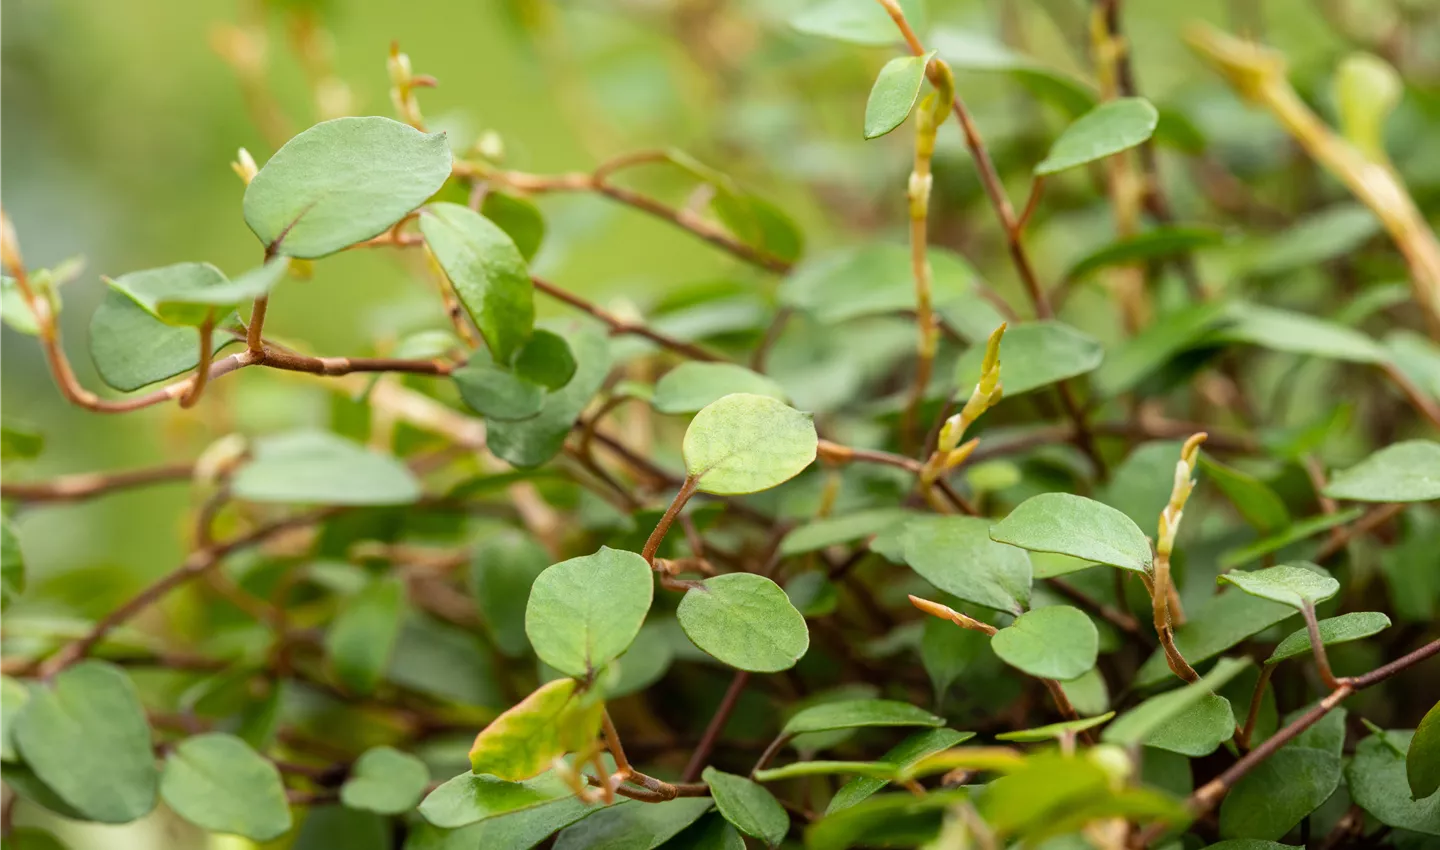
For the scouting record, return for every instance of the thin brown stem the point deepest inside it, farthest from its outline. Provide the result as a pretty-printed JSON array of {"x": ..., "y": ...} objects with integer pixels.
[
  {"x": 1317, "y": 647},
  {"x": 1256, "y": 700},
  {"x": 652, "y": 545},
  {"x": 620, "y": 326},
  {"x": 89, "y": 485},
  {"x": 770, "y": 752},
  {"x": 696, "y": 765},
  {"x": 202, "y": 369},
  {"x": 254, "y": 339}
]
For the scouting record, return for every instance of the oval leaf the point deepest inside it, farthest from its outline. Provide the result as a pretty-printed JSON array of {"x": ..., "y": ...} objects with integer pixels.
[
  {"x": 545, "y": 359},
  {"x": 752, "y": 809},
  {"x": 1058, "y": 642},
  {"x": 385, "y": 780},
  {"x": 1034, "y": 355},
  {"x": 956, "y": 554},
  {"x": 1290, "y": 584},
  {"x": 1198, "y": 730},
  {"x": 218, "y": 783},
  {"x": 488, "y": 273},
  {"x": 1342, "y": 629},
  {"x": 904, "y": 755},
  {"x": 191, "y": 293},
  {"x": 692, "y": 385},
  {"x": 1103, "y": 131},
  {"x": 473, "y": 797},
  {"x": 12, "y": 564},
  {"x": 317, "y": 467},
  {"x": 1377, "y": 778},
  {"x": 132, "y": 349},
  {"x": 361, "y": 639},
  {"x": 533, "y": 441},
  {"x": 746, "y": 621},
  {"x": 1404, "y": 472},
  {"x": 584, "y": 612},
  {"x": 851, "y": 714},
  {"x": 342, "y": 182},
  {"x": 1076, "y": 526},
  {"x": 745, "y": 443},
  {"x": 497, "y": 394},
  {"x": 522, "y": 742},
  {"x": 894, "y": 93}
]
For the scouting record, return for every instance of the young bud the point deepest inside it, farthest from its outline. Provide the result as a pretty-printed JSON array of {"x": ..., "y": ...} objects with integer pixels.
[
  {"x": 10, "y": 256},
  {"x": 244, "y": 166}
]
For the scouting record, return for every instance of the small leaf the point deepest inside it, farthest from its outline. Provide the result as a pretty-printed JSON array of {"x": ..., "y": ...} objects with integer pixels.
[
  {"x": 1291, "y": 534},
  {"x": 1293, "y": 585},
  {"x": 13, "y": 697},
  {"x": 86, "y": 738},
  {"x": 1107, "y": 129},
  {"x": 746, "y": 804},
  {"x": 536, "y": 440},
  {"x": 903, "y": 756},
  {"x": 385, "y": 780},
  {"x": 1058, "y": 642},
  {"x": 502, "y": 570},
  {"x": 1422, "y": 762},
  {"x": 1403, "y": 472},
  {"x": 529, "y": 827},
  {"x": 850, "y": 714},
  {"x": 1256, "y": 502},
  {"x": 341, "y": 182},
  {"x": 693, "y": 385},
  {"x": 857, "y": 23},
  {"x": 362, "y": 638},
  {"x": 19, "y": 441},
  {"x": 474, "y": 797},
  {"x": 745, "y": 621},
  {"x": 877, "y": 279},
  {"x": 1140, "y": 356},
  {"x": 12, "y": 564},
  {"x": 956, "y": 554},
  {"x": 1156, "y": 244},
  {"x": 745, "y": 443},
  {"x": 1342, "y": 629},
  {"x": 1139, "y": 723},
  {"x": 1378, "y": 781},
  {"x": 1198, "y": 730},
  {"x": 522, "y": 742},
  {"x": 710, "y": 832},
  {"x": 633, "y": 826},
  {"x": 317, "y": 467},
  {"x": 497, "y": 394},
  {"x": 947, "y": 651},
  {"x": 1053, "y": 731},
  {"x": 545, "y": 359},
  {"x": 192, "y": 293},
  {"x": 584, "y": 612},
  {"x": 29, "y": 838},
  {"x": 1034, "y": 355},
  {"x": 1073, "y": 525},
  {"x": 218, "y": 783},
  {"x": 1333, "y": 232},
  {"x": 132, "y": 349},
  {"x": 894, "y": 94},
  {"x": 488, "y": 273},
  {"x": 1297, "y": 333},
  {"x": 518, "y": 217}
]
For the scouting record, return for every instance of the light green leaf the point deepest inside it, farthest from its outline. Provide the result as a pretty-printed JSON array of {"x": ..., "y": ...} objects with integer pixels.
[
  {"x": 1356, "y": 625},
  {"x": 1034, "y": 355},
  {"x": 473, "y": 797},
  {"x": 877, "y": 279},
  {"x": 14, "y": 310},
  {"x": 894, "y": 94},
  {"x": 1198, "y": 730},
  {"x": 1332, "y": 232},
  {"x": 1255, "y": 501},
  {"x": 1088, "y": 693},
  {"x": 19, "y": 440},
  {"x": 1416, "y": 356},
  {"x": 502, "y": 570},
  {"x": 1294, "y": 533},
  {"x": 362, "y": 637},
  {"x": 746, "y": 804},
  {"x": 12, "y": 564},
  {"x": 1140, "y": 356},
  {"x": 845, "y": 528},
  {"x": 1058, "y": 642},
  {"x": 1155, "y": 244},
  {"x": 956, "y": 554},
  {"x": 518, "y": 217},
  {"x": 584, "y": 612},
  {"x": 850, "y": 714},
  {"x": 1403, "y": 472},
  {"x": 758, "y": 223},
  {"x": 535, "y": 440},
  {"x": 895, "y": 819},
  {"x": 967, "y": 50},
  {"x": 1378, "y": 782},
  {"x": 545, "y": 359},
  {"x": 1422, "y": 761},
  {"x": 633, "y": 826},
  {"x": 1222, "y": 622},
  {"x": 1297, "y": 333},
  {"x": 218, "y": 783},
  {"x": 693, "y": 385},
  {"x": 86, "y": 738},
  {"x": 745, "y": 443},
  {"x": 132, "y": 349},
  {"x": 857, "y": 23},
  {"x": 1292, "y": 584},
  {"x": 522, "y": 742},
  {"x": 1076, "y": 526},
  {"x": 1107, "y": 129},
  {"x": 385, "y": 780},
  {"x": 488, "y": 273},
  {"x": 745, "y": 621},
  {"x": 13, "y": 697},
  {"x": 341, "y": 182},
  {"x": 497, "y": 394},
  {"x": 318, "y": 467},
  {"x": 524, "y": 829},
  {"x": 192, "y": 293},
  {"x": 1053, "y": 731},
  {"x": 1139, "y": 723},
  {"x": 903, "y": 756}
]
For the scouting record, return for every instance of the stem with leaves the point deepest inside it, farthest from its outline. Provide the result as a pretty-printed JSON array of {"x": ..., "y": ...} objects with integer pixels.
[{"x": 1163, "y": 598}]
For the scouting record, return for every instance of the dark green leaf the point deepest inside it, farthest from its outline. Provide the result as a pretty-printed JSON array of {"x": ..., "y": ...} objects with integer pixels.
[
  {"x": 1155, "y": 244},
  {"x": 1422, "y": 762},
  {"x": 545, "y": 359},
  {"x": 1198, "y": 730},
  {"x": 518, "y": 217},
  {"x": 1058, "y": 642},
  {"x": 1075, "y": 526},
  {"x": 1034, "y": 355},
  {"x": 1403, "y": 472},
  {"x": 497, "y": 394},
  {"x": 693, "y": 385},
  {"x": 850, "y": 714},
  {"x": 1294, "y": 533},
  {"x": 502, "y": 570},
  {"x": 488, "y": 273},
  {"x": 1256, "y": 502},
  {"x": 319, "y": 467},
  {"x": 1053, "y": 731},
  {"x": 362, "y": 638},
  {"x": 1342, "y": 629},
  {"x": 12, "y": 564},
  {"x": 385, "y": 780},
  {"x": 904, "y": 755},
  {"x": 218, "y": 783},
  {"x": 899, "y": 819},
  {"x": 894, "y": 94},
  {"x": 1141, "y": 722},
  {"x": 1272, "y": 798},
  {"x": 1295, "y": 585},
  {"x": 747, "y": 805},
  {"x": 745, "y": 621},
  {"x": 633, "y": 826},
  {"x": 13, "y": 697},
  {"x": 1107, "y": 129},
  {"x": 1212, "y": 628},
  {"x": 19, "y": 441},
  {"x": 192, "y": 293},
  {"x": 584, "y": 612},
  {"x": 947, "y": 651},
  {"x": 956, "y": 554},
  {"x": 1378, "y": 782},
  {"x": 524, "y": 829},
  {"x": 745, "y": 443},
  {"x": 1140, "y": 356},
  {"x": 537, "y": 439},
  {"x": 132, "y": 349}
]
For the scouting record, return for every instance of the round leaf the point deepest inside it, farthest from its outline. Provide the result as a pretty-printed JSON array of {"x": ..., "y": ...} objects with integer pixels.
[
  {"x": 497, "y": 394},
  {"x": 746, "y": 804},
  {"x": 745, "y": 443},
  {"x": 488, "y": 273},
  {"x": 545, "y": 359},
  {"x": 692, "y": 385},
  {"x": 1105, "y": 130},
  {"x": 321, "y": 468},
  {"x": 1403, "y": 472},
  {"x": 533, "y": 441},
  {"x": 502, "y": 571},
  {"x": 894, "y": 93},
  {"x": 956, "y": 554},
  {"x": 746, "y": 621},
  {"x": 1291, "y": 585},
  {"x": 342, "y": 182},
  {"x": 131, "y": 348},
  {"x": 1342, "y": 629},
  {"x": 1076, "y": 526},
  {"x": 850, "y": 714},
  {"x": 1058, "y": 642},
  {"x": 218, "y": 783},
  {"x": 385, "y": 780},
  {"x": 584, "y": 612}
]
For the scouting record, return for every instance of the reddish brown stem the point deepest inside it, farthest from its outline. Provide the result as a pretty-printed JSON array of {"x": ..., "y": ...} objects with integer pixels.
[
  {"x": 652, "y": 545},
  {"x": 717, "y": 725}
]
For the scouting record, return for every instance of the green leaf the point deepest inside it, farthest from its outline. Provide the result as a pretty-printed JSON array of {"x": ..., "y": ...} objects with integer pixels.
[
  {"x": 903, "y": 756},
  {"x": 1076, "y": 526},
  {"x": 1378, "y": 780},
  {"x": 1416, "y": 356},
  {"x": 19, "y": 441},
  {"x": 1297, "y": 333},
  {"x": 474, "y": 797},
  {"x": 329, "y": 827},
  {"x": 693, "y": 385},
  {"x": 1332, "y": 232},
  {"x": 1220, "y": 623},
  {"x": 497, "y": 394},
  {"x": 1198, "y": 730},
  {"x": 1157, "y": 243},
  {"x": 1053, "y": 731},
  {"x": 1294, "y": 533},
  {"x": 518, "y": 217},
  {"x": 1256, "y": 502},
  {"x": 535, "y": 440},
  {"x": 899, "y": 819},
  {"x": 1366, "y": 90},
  {"x": 1139, "y": 723},
  {"x": 752, "y": 809},
  {"x": 1088, "y": 693},
  {"x": 710, "y": 832},
  {"x": 947, "y": 651},
  {"x": 850, "y": 714},
  {"x": 385, "y": 780},
  {"x": 877, "y": 279},
  {"x": 502, "y": 570},
  {"x": 633, "y": 826},
  {"x": 1058, "y": 642},
  {"x": 1408, "y": 471},
  {"x": 758, "y": 223},
  {"x": 1278, "y": 793},
  {"x": 1107, "y": 129},
  {"x": 956, "y": 554},
  {"x": 1293, "y": 585},
  {"x": 342, "y": 182},
  {"x": 524, "y": 829},
  {"x": 26, "y": 785},
  {"x": 1140, "y": 356},
  {"x": 584, "y": 612},
  {"x": 967, "y": 50},
  {"x": 522, "y": 742},
  {"x": 745, "y": 621},
  {"x": 745, "y": 443},
  {"x": 29, "y": 838},
  {"x": 1422, "y": 762},
  {"x": 857, "y": 23},
  {"x": 86, "y": 738},
  {"x": 894, "y": 94},
  {"x": 1034, "y": 355},
  {"x": 1342, "y": 629},
  {"x": 13, "y": 697},
  {"x": 362, "y": 637},
  {"x": 132, "y": 349},
  {"x": 318, "y": 467},
  {"x": 12, "y": 564},
  {"x": 218, "y": 783},
  {"x": 488, "y": 273},
  {"x": 845, "y": 528},
  {"x": 545, "y": 359},
  {"x": 192, "y": 293},
  {"x": 14, "y": 310}
]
